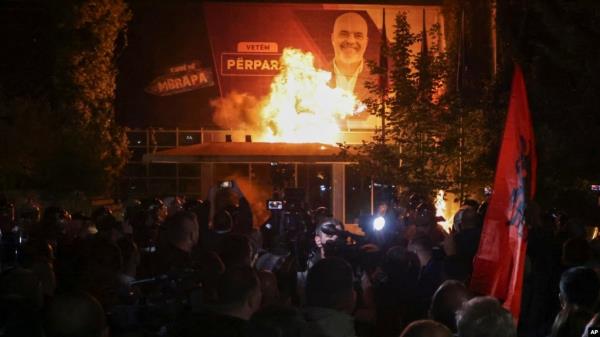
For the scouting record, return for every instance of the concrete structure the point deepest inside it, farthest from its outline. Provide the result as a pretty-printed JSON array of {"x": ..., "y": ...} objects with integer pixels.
[{"x": 208, "y": 155}]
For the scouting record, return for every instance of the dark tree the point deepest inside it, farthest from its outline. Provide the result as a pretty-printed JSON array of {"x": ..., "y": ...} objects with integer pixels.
[{"x": 64, "y": 135}]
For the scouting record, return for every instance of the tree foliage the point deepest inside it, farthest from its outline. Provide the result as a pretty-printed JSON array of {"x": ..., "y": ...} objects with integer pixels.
[
  {"x": 89, "y": 32},
  {"x": 425, "y": 123},
  {"x": 67, "y": 134},
  {"x": 555, "y": 41}
]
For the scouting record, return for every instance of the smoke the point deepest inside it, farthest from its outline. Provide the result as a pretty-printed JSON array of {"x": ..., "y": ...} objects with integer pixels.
[
  {"x": 237, "y": 111},
  {"x": 257, "y": 196}
]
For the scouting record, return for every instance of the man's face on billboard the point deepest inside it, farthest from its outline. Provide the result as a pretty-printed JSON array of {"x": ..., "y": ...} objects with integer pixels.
[{"x": 349, "y": 38}]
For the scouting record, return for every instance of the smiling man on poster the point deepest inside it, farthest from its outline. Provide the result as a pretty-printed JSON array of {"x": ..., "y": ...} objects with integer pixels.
[{"x": 349, "y": 39}]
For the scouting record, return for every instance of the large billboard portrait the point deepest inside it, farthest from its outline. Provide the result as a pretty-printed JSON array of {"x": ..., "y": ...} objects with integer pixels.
[{"x": 261, "y": 49}]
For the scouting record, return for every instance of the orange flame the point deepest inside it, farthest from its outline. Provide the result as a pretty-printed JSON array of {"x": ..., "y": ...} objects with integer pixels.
[
  {"x": 442, "y": 211},
  {"x": 301, "y": 107}
]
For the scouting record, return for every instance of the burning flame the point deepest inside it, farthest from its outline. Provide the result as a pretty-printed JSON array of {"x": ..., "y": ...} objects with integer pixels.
[
  {"x": 441, "y": 210},
  {"x": 301, "y": 107}
]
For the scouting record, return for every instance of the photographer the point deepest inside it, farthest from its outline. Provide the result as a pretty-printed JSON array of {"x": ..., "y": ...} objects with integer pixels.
[
  {"x": 325, "y": 239},
  {"x": 228, "y": 197}
]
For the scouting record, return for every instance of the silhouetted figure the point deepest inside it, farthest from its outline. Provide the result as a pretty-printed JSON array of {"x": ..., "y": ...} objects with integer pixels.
[
  {"x": 485, "y": 317},
  {"x": 75, "y": 314}
]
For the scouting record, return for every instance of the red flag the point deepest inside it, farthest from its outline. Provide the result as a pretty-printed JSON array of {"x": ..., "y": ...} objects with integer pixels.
[{"x": 499, "y": 264}]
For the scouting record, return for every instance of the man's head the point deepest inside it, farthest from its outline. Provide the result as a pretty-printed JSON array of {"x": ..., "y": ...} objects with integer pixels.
[
  {"x": 485, "y": 317},
  {"x": 422, "y": 246},
  {"x": 182, "y": 230},
  {"x": 276, "y": 321},
  {"x": 238, "y": 291},
  {"x": 325, "y": 231},
  {"x": 426, "y": 328},
  {"x": 75, "y": 314},
  {"x": 329, "y": 285},
  {"x": 579, "y": 286},
  {"x": 446, "y": 301},
  {"x": 349, "y": 38},
  {"x": 236, "y": 250}
]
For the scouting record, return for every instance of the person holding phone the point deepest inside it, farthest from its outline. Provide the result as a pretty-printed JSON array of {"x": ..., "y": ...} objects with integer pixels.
[{"x": 228, "y": 199}]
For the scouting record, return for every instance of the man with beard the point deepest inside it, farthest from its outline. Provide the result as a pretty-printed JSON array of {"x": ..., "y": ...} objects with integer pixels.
[
  {"x": 349, "y": 39},
  {"x": 349, "y": 70}
]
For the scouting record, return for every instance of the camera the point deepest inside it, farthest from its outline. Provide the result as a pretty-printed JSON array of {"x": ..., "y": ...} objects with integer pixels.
[
  {"x": 274, "y": 204},
  {"x": 226, "y": 184}
]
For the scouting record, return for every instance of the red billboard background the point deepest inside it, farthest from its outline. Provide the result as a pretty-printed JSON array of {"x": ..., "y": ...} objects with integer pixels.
[
  {"x": 163, "y": 35},
  {"x": 247, "y": 39}
]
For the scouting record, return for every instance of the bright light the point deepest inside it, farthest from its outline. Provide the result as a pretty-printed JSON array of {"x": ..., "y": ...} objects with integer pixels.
[
  {"x": 378, "y": 223},
  {"x": 301, "y": 107},
  {"x": 441, "y": 210}
]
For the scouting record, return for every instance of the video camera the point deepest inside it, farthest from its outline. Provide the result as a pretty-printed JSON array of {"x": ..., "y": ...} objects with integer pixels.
[
  {"x": 289, "y": 220},
  {"x": 286, "y": 231}
]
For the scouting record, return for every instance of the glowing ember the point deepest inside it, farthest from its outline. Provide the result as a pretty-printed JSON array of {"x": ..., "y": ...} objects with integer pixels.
[{"x": 301, "y": 107}]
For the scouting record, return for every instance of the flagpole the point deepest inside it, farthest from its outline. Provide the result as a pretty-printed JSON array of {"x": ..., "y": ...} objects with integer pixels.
[
  {"x": 383, "y": 85},
  {"x": 459, "y": 84}
]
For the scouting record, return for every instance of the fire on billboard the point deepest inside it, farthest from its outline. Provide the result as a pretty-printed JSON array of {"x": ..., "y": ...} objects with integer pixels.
[{"x": 249, "y": 40}]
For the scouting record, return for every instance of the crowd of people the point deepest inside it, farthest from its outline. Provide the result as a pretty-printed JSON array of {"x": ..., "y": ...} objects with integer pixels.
[{"x": 176, "y": 267}]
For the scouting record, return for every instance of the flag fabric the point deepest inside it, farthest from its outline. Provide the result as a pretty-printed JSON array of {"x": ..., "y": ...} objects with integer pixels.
[{"x": 500, "y": 260}]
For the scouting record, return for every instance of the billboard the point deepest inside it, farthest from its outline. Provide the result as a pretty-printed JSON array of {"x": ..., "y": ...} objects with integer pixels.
[{"x": 247, "y": 41}]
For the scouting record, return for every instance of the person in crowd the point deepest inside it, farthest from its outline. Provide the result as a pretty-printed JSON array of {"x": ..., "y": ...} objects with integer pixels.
[
  {"x": 330, "y": 299},
  {"x": 175, "y": 254},
  {"x": 430, "y": 276},
  {"x": 484, "y": 317},
  {"x": 21, "y": 301},
  {"x": 229, "y": 197},
  {"x": 593, "y": 324},
  {"x": 578, "y": 294},
  {"x": 395, "y": 288},
  {"x": 148, "y": 227},
  {"x": 269, "y": 288},
  {"x": 109, "y": 228},
  {"x": 425, "y": 223},
  {"x": 131, "y": 259},
  {"x": 100, "y": 275},
  {"x": 446, "y": 301},
  {"x": 174, "y": 204},
  {"x": 75, "y": 314},
  {"x": 239, "y": 297},
  {"x": 38, "y": 256},
  {"x": 426, "y": 328},
  {"x": 53, "y": 225},
  {"x": 467, "y": 233},
  {"x": 325, "y": 232},
  {"x": 540, "y": 304},
  {"x": 461, "y": 245},
  {"x": 576, "y": 252},
  {"x": 236, "y": 250},
  {"x": 325, "y": 237},
  {"x": 277, "y": 321}
]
